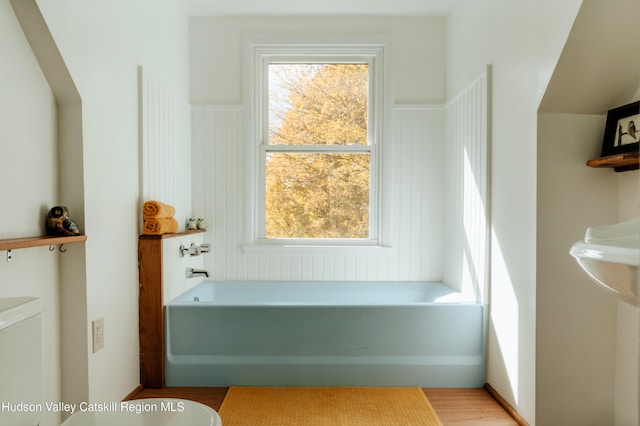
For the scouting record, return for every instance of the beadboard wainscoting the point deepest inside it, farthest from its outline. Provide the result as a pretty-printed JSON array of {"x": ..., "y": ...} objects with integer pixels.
[
  {"x": 165, "y": 147},
  {"x": 412, "y": 201},
  {"x": 467, "y": 195}
]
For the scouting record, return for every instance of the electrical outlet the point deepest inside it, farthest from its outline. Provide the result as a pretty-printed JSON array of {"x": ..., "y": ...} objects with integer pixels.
[{"x": 98, "y": 334}]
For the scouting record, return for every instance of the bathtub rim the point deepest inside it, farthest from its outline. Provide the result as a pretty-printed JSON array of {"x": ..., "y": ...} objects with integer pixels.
[{"x": 446, "y": 294}]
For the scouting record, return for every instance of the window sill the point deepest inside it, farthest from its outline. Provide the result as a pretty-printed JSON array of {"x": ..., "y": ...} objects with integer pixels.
[{"x": 302, "y": 249}]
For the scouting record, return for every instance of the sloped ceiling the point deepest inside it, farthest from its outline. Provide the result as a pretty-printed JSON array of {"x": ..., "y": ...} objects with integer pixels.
[
  {"x": 599, "y": 68},
  {"x": 46, "y": 51}
]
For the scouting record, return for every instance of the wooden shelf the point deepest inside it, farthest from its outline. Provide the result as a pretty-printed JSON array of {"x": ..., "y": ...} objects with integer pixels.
[
  {"x": 175, "y": 235},
  {"x": 20, "y": 243},
  {"x": 619, "y": 162}
]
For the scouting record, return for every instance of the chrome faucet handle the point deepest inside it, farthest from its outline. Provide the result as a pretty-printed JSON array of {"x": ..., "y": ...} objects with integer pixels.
[{"x": 192, "y": 250}]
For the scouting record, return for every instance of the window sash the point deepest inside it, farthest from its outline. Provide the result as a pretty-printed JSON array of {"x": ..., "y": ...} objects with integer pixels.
[
  {"x": 329, "y": 149},
  {"x": 320, "y": 59}
]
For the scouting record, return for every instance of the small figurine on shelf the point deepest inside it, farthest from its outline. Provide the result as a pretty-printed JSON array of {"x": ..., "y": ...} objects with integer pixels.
[
  {"x": 59, "y": 223},
  {"x": 191, "y": 224},
  {"x": 200, "y": 224}
]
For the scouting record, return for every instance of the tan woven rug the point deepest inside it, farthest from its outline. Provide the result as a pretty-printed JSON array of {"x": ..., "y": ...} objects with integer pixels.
[{"x": 327, "y": 406}]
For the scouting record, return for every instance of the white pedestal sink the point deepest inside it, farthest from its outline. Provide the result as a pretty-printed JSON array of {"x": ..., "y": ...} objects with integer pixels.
[{"x": 611, "y": 256}]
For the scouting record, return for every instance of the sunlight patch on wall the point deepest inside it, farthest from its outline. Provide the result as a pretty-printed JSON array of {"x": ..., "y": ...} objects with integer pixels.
[
  {"x": 475, "y": 232},
  {"x": 505, "y": 315}
]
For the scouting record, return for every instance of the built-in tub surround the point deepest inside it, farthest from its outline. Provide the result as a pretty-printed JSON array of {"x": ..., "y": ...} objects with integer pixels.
[{"x": 324, "y": 333}]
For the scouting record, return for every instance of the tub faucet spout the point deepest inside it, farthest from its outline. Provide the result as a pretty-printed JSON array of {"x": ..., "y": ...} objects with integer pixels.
[{"x": 192, "y": 273}]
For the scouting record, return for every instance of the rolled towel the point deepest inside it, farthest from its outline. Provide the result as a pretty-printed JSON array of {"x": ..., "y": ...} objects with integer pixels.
[
  {"x": 159, "y": 225},
  {"x": 157, "y": 209}
]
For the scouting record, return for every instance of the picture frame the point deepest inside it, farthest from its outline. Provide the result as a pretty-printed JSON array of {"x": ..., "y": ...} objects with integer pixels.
[{"x": 622, "y": 130}]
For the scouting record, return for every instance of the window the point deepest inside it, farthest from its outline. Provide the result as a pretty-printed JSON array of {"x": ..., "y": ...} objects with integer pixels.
[{"x": 319, "y": 115}]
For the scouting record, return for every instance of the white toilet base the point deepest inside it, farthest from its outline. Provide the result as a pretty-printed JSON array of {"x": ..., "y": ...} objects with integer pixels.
[{"x": 140, "y": 412}]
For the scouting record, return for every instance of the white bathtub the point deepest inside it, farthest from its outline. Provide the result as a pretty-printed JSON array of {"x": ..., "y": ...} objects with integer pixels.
[{"x": 325, "y": 334}]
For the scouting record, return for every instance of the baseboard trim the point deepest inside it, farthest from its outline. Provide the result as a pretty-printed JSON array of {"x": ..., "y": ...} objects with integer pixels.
[
  {"x": 507, "y": 407},
  {"x": 133, "y": 393}
]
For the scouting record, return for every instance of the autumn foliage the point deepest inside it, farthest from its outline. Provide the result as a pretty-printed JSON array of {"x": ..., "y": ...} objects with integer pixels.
[{"x": 323, "y": 192}]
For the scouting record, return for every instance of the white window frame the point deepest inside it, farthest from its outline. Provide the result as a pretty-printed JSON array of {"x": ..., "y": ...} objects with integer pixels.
[{"x": 261, "y": 54}]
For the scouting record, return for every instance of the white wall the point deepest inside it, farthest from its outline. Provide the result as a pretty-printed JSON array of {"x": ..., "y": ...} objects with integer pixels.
[
  {"x": 576, "y": 319},
  {"x": 102, "y": 44},
  {"x": 412, "y": 170},
  {"x": 216, "y": 51},
  {"x": 627, "y": 379},
  {"x": 522, "y": 40},
  {"x": 627, "y": 374},
  {"x": 29, "y": 155},
  {"x": 29, "y": 186},
  {"x": 587, "y": 345}
]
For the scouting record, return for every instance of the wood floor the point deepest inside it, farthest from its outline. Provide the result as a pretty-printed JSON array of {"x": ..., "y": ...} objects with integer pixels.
[{"x": 454, "y": 406}]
